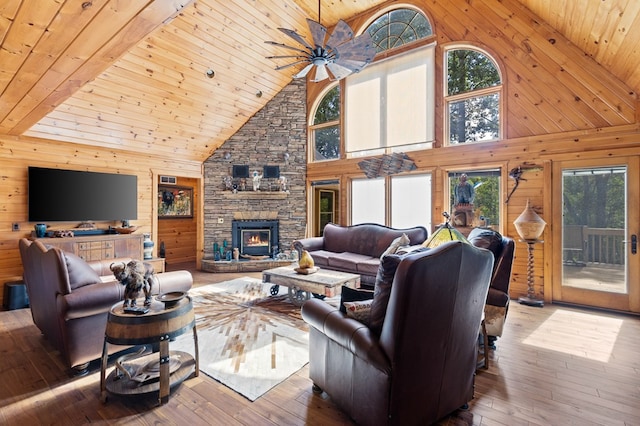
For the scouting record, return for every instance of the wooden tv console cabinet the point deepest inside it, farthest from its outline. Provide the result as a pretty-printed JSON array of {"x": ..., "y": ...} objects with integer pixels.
[{"x": 99, "y": 247}]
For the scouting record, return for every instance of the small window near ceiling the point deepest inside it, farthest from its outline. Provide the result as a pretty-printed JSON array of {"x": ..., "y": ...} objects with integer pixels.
[
  {"x": 399, "y": 27},
  {"x": 325, "y": 129},
  {"x": 473, "y": 92}
]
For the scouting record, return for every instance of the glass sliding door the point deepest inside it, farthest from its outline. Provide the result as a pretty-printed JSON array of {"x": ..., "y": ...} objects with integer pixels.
[{"x": 596, "y": 258}]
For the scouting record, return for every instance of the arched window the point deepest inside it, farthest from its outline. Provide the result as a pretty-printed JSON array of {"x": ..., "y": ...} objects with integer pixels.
[
  {"x": 398, "y": 27},
  {"x": 473, "y": 89},
  {"x": 325, "y": 128}
]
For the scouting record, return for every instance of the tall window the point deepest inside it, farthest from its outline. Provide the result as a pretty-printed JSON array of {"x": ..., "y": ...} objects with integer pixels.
[
  {"x": 325, "y": 129},
  {"x": 473, "y": 96},
  {"x": 411, "y": 201},
  {"x": 367, "y": 201},
  {"x": 390, "y": 104}
]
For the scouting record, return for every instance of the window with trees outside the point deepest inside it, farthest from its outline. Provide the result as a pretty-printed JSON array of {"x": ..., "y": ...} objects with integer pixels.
[
  {"x": 473, "y": 88},
  {"x": 485, "y": 201},
  {"x": 325, "y": 129}
]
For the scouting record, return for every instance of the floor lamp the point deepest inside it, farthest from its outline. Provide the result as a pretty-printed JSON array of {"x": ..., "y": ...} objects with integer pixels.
[{"x": 530, "y": 227}]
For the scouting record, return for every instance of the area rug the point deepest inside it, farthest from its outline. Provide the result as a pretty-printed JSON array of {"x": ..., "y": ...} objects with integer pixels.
[{"x": 249, "y": 340}]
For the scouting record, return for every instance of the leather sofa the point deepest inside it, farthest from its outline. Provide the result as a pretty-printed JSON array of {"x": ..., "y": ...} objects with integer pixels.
[
  {"x": 422, "y": 365},
  {"x": 503, "y": 249},
  {"x": 70, "y": 299},
  {"x": 356, "y": 249}
]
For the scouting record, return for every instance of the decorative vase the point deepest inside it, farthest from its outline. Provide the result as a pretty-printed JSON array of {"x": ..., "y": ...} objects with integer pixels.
[
  {"x": 529, "y": 225},
  {"x": 41, "y": 230},
  {"x": 147, "y": 245},
  {"x": 236, "y": 254}
]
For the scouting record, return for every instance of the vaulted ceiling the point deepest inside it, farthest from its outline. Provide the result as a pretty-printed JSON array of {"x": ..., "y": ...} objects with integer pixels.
[{"x": 131, "y": 74}]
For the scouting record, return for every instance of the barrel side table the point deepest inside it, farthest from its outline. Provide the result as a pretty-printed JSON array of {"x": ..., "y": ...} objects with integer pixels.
[{"x": 157, "y": 327}]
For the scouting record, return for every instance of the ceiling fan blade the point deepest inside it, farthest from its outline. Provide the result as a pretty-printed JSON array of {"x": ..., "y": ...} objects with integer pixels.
[
  {"x": 354, "y": 66},
  {"x": 338, "y": 71},
  {"x": 304, "y": 71},
  {"x": 285, "y": 57},
  {"x": 360, "y": 48},
  {"x": 342, "y": 33},
  {"x": 318, "y": 32},
  {"x": 288, "y": 47},
  {"x": 321, "y": 73},
  {"x": 275, "y": 43},
  {"x": 297, "y": 37},
  {"x": 281, "y": 67}
]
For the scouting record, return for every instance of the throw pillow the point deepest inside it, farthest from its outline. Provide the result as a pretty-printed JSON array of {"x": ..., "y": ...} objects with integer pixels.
[
  {"x": 349, "y": 294},
  {"x": 359, "y": 311},
  {"x": 382, "y": 292},
  {"x": 402, "y": 240},
  {"x": 80, "y": 273}
]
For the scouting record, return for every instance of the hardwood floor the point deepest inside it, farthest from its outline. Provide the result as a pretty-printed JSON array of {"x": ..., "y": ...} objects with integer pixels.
[{"x": 553, "y": 366}]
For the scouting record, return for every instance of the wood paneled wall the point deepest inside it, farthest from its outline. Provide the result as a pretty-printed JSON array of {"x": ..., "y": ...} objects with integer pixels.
[
  {"x": 16, "y": 154},
  {"x": 558, "y": 104}
]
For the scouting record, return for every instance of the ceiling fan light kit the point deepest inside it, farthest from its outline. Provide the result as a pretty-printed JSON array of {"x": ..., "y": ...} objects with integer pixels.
[{"x": 341, "y": 55}]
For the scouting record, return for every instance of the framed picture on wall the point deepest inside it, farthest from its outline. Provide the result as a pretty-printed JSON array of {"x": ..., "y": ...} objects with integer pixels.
[{"x": 175, "y": 202}]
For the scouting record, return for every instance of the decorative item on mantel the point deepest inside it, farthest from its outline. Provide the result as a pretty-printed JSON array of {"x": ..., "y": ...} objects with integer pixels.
[
  {"x": 530, "y": 227},
  {"x": 147, "y": 245}
]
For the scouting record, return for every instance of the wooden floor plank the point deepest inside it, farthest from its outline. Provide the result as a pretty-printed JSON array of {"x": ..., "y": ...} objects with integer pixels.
[{"x": 555, "y": 365}]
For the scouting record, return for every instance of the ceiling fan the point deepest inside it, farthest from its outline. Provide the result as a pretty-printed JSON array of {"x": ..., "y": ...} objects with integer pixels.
[{"x": 341, "y": 55}]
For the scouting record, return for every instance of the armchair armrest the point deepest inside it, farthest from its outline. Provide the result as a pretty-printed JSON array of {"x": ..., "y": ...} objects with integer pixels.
[
  {"x": 345, "y": 331},
  {"x": 309, "y": 244}
]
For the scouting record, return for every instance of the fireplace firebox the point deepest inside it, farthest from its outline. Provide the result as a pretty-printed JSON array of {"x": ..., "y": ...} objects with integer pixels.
[{"x": 255, "y": 237}]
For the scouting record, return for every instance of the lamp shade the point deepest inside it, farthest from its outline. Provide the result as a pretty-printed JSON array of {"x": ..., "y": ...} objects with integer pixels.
[
  {"x": 529, "y": 225},
  {"x": 444, "y": 234}
]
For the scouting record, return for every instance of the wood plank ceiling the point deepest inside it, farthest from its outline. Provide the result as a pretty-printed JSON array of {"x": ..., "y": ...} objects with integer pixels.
[{"x": 131, "y": 74}]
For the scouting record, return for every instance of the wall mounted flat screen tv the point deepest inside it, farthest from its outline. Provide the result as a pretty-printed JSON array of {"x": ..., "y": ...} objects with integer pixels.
[
  {"x": 57, "y": 195},
  {"x": 240, "y": 171},
  {"x": 271, "y": 171}
]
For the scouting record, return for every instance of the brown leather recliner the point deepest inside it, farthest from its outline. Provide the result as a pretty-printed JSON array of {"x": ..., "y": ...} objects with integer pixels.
[
  {"x": 422, "y": 367},
  {"x": 503, "y": 249},
  {"x": 69, "y": 300}
]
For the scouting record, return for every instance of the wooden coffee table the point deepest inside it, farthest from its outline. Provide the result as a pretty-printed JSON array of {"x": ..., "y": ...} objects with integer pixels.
[{"x": 324, "y": 282}]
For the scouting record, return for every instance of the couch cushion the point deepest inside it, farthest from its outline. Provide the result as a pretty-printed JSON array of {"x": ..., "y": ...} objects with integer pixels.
[
  {"x": 347, "y": 262},
  {"x": 80, "y": 273},
  {"x": 369, "y": 266},
  {"x": 349, "y": 294},
  {"x": 321, "y": 257}
]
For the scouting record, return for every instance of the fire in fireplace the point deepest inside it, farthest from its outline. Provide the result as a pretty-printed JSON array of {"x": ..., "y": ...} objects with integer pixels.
[{"x": 255, "y": 237}]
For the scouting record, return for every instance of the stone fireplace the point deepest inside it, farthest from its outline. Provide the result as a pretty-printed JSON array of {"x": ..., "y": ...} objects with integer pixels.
[{"x": 255, "y": 237}]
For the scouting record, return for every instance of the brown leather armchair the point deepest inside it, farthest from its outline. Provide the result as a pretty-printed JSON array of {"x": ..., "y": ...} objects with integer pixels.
[
  {"x": 70, "y": 298},
  {"x": 503, "y": 249},
  {"x": 422, "y": 367}
]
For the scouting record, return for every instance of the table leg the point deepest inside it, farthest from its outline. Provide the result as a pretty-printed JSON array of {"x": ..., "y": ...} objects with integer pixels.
[
  {"x": 197, "y": 354},
  {"x": 103, "y": 368},
  {"x": 164, "y": 370}
]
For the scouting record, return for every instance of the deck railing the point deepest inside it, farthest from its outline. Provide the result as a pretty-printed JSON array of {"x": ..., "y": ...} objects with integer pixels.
[{"x": 593, "y": 245}]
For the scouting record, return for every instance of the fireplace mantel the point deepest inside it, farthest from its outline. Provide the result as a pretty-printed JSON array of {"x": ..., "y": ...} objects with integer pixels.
[{"x": 255, "y": 195}]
